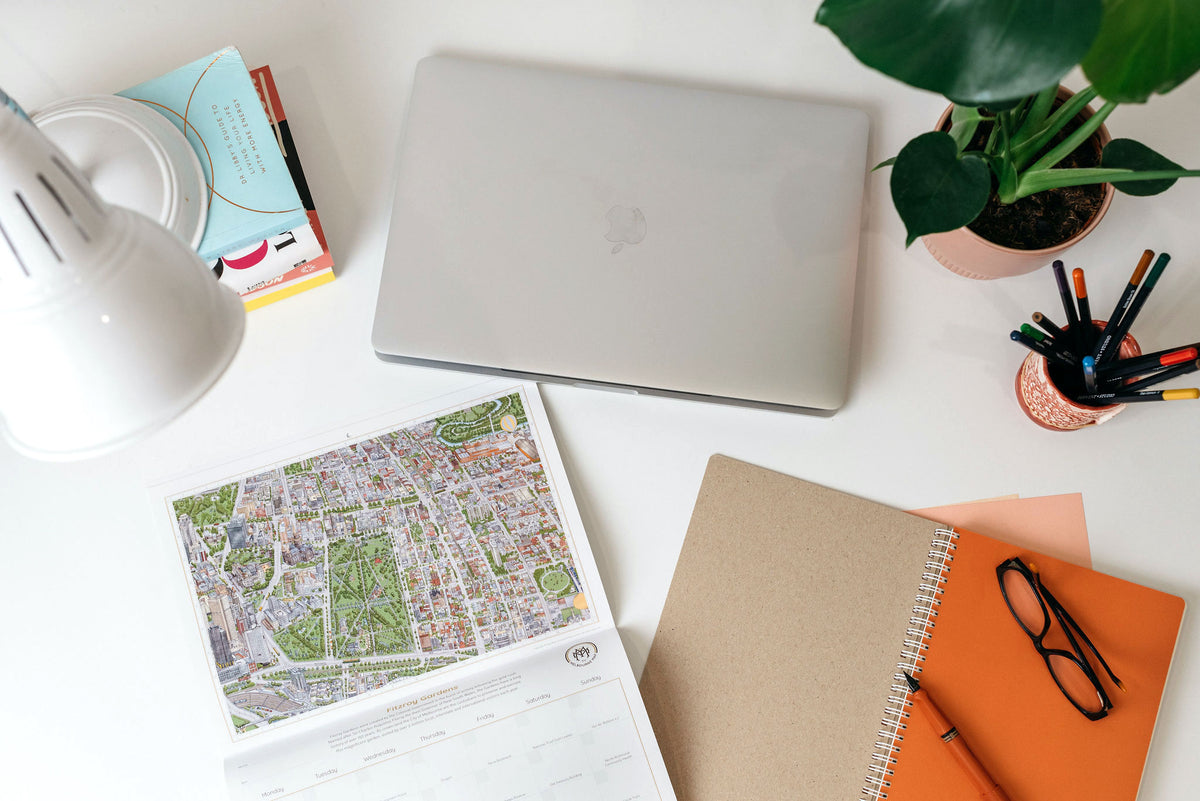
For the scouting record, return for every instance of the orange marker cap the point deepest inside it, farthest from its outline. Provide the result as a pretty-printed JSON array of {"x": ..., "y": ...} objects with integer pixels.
[
  {"x": 1142, "y": 264},
  {"x": 1080, "y": 286},
  {"x": 1179, "y": 357},
  {"x": 1181, "y": 394}
]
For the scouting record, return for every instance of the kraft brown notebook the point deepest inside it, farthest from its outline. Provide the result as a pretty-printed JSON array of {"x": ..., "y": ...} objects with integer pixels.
[{"x": 775, "y": 671}]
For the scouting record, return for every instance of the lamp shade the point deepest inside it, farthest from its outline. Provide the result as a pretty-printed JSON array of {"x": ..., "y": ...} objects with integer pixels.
[{"x": 110, "y": 325}]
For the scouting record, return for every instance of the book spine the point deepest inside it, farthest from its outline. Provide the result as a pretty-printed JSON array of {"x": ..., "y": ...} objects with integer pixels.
[{"x": 912, "y": 656}]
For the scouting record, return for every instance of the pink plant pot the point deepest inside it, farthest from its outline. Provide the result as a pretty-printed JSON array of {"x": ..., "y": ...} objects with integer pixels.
[{"x": 967, "y": 253}]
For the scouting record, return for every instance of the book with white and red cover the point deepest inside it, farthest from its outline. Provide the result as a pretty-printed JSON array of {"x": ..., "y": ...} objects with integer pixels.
[{"x": 295, "y": 260}]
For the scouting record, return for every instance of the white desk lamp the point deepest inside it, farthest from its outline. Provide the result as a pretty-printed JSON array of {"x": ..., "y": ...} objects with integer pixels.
[{"x": 110, "y": 325}]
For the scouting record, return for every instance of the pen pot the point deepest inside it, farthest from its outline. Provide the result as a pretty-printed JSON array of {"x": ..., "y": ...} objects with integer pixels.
[{"x": 1040, "y": 392}]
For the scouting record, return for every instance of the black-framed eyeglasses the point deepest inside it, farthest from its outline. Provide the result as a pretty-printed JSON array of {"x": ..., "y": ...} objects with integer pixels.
[{"x": 1032, "y": 604}]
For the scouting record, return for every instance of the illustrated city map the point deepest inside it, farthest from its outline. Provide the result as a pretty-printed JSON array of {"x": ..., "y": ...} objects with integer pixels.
[{"x": 378, "y": 561}]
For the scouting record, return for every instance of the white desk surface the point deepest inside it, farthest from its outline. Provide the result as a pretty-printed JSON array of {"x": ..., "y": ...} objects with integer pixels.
[{"x": 92, "y": 650}]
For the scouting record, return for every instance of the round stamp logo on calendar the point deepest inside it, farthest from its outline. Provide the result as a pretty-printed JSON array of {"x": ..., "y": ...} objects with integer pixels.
[{"x": 582, "y": 654}]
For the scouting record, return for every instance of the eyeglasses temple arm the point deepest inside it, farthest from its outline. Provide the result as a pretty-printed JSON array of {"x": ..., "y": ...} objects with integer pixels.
[{"x": 1069, "y": 623}]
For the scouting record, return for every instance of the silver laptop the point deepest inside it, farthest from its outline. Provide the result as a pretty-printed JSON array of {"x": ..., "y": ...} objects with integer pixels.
[{"x": 623, "y": 234}]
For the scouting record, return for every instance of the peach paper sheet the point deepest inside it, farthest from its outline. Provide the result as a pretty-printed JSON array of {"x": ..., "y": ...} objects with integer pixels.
[{"x": 1053, "y": 524}]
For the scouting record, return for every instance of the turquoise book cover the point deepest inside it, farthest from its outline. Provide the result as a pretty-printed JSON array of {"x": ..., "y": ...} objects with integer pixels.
[{"x": 214, "y": 102}]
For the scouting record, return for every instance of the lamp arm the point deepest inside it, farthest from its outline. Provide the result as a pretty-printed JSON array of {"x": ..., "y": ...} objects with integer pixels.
[{"x": 6, "y": 100}]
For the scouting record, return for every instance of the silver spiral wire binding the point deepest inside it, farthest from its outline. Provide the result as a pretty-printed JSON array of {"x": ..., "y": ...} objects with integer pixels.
[{"x": 912, "y": 656}]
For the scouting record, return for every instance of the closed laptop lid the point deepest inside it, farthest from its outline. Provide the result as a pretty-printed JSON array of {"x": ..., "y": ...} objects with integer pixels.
[{"x": 593, "y": 229}]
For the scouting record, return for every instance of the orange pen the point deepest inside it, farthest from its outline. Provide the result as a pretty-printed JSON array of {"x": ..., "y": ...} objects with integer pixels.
[
  {"x": 988, "y": 789},
  {"x": 1085, "y": 309}
]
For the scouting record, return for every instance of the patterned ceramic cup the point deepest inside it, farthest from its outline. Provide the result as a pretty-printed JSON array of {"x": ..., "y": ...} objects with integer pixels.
[{"x": 1045, "y": 404}]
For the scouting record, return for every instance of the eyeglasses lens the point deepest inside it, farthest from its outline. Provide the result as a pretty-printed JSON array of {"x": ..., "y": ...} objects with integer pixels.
[
  {"x": 1075, "y": 683},
  {"x": 1025, "y": 605}
]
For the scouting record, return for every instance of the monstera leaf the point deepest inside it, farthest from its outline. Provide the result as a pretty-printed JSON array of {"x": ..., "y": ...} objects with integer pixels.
[
  {"x": 975, "y": 52},
  {"x": 1144, "y": 47},
  {"x": 1127, "y": 154},
  {"x": 934, "y": 188}
]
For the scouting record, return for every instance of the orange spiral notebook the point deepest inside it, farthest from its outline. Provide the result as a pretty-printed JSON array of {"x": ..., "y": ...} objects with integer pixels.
[{"x": 775, "y": 671}]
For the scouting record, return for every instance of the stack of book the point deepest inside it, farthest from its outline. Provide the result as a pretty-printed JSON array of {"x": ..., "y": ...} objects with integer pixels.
[{"x": 263, "y": 238}]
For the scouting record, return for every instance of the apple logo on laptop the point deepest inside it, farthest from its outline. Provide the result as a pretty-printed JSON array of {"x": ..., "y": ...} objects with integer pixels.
[{"x": 626, "y": 226}]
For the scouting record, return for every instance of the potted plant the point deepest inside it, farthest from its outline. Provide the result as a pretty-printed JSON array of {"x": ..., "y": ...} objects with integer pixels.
[{"x": 1011, "y": 134}]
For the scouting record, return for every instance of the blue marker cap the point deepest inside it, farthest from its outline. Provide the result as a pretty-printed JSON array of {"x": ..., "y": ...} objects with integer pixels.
[{"x": 1089, "y": 372}]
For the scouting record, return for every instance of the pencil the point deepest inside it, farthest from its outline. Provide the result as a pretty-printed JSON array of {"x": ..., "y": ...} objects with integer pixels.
[
  {"x": 1162, "y": 375},
  {"x": 1054, "y": 343},
  {"x": 1141, "y": 395},
  {"x": 1031, "y": 332},
  {"x": 1049, "y": 342},
  {"x": 1060, "y": 345},
  {"x": 1140, "y": 365},
  {"x": 1089, "y": 372},
  {"x": 1136, "y": 306},
  {"x": 1042, "y": 348},
  {"x": 1085, "y": 310},
  {"x": 1106, "y": 336},
  {"x": 1047, "y": 324},
  {"x": 1064, "y": 293}
]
